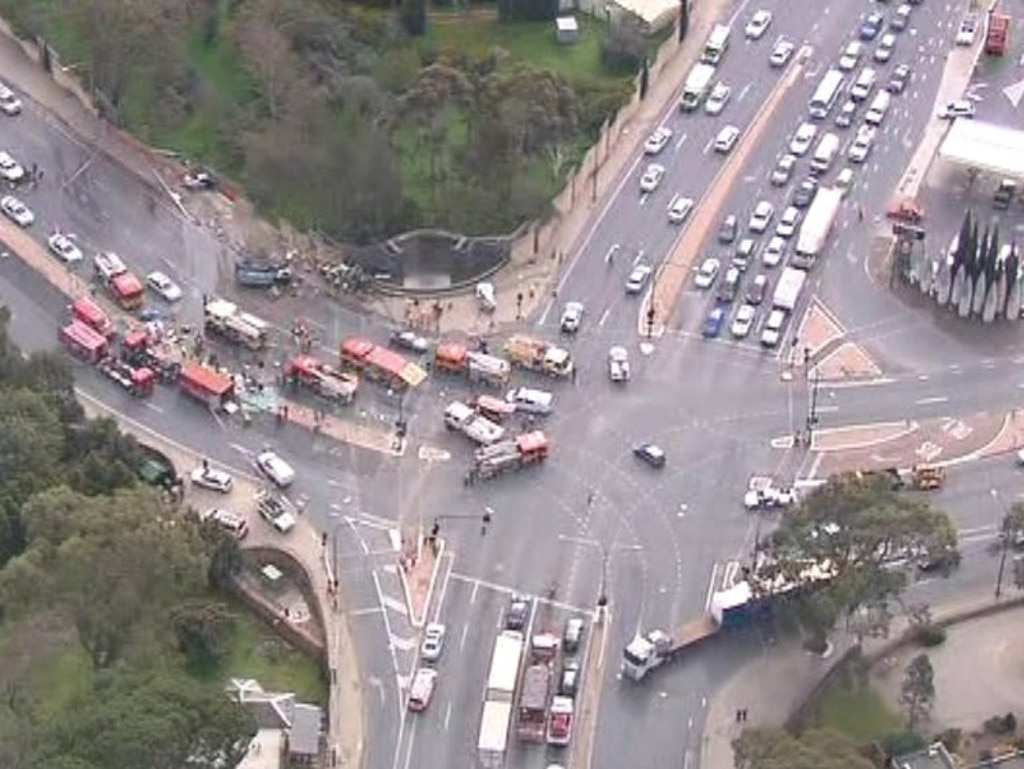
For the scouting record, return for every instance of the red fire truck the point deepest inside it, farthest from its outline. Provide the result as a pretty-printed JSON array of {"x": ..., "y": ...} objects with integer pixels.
[
  {"x": 204, "y": 384},
  {"x": 381, "y": 364},
  {"x": 122, "y": 285},
  {"x": 94, "y": 316},
  {"x": 84, "y": 343},
  {"x": 321, "y": 379}
]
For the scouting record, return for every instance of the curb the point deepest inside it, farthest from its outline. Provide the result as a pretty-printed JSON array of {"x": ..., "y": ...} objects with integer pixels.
[{"x": 419, "y": 622}]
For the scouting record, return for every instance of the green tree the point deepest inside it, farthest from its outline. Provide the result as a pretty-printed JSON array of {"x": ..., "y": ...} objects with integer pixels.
[
  {"x": 854, "y": 525},
  {"x": 777, "y": 749},
  {"x": 204, "y": 630},
  {"x": 917, "y": 692},
  {"x": 413, "y": 14},
  {"x": 110, "y": 562},
  {"x": 155, "y": 719}
]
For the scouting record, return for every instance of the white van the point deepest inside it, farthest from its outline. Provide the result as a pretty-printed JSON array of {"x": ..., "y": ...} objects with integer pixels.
[
  {"x": 865, "y": 83},
  {"x": 879, "y": 106},
  {"x": 233, "y": 524},
  {"x": 825, "y": 153}
]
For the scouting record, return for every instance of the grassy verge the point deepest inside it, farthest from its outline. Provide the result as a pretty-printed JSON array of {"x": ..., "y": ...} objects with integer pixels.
[{"x": 857, "y": 711}]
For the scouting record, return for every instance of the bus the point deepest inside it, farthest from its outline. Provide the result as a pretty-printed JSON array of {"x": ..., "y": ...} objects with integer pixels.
[
  {"x": 825, "y": 96},
  {"x": 714, "y": 48}
]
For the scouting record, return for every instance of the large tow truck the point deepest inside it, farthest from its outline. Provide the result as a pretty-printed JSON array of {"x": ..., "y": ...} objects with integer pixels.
[
  {"x": 509, "y": 455},
  {"x": 537, "y": 355},
  {"x": 206, "y": 385},
  {"x": 225, "y": 319},
  {"x": 95, "y": 317},
  {"x": 321, "y": 379},
  {"x": 532, "y": 715},
  {"x": 477, "y": 367},
  {"x": 472, "y": 424},
  {"x": 121, "y": 284}
]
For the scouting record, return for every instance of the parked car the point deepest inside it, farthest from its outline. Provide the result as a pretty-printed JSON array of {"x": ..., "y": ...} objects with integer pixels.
[
  {"x": 433, "y": 642},
  {"x": 717, "y": 99},
  {"x": 650, "y": 453},
  {"x": 726, "y": 139},
  {"x": 275, "y": 468},
  {"x": 638, "y": 278},
  {"x": 211, "y": 478}
]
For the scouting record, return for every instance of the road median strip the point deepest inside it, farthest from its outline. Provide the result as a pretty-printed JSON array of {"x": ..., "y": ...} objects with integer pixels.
[{"x": 674, "y": 272}]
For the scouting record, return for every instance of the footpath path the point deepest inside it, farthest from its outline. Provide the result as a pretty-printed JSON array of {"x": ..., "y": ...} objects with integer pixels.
[
  {"x": 344, "y": 737},
  {"x": 772, "y": 687}
]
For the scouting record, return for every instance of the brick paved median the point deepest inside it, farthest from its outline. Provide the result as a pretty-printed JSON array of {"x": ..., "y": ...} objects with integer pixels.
[
  {"x": 848, "y": 361},
  {"x": 818, "y": 328}
]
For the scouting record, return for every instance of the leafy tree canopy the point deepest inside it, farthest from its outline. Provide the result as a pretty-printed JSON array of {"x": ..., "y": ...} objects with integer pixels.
[{"x": 778, "y": 749}]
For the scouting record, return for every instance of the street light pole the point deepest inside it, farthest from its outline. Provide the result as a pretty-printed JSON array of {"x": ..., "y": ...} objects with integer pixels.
[
  {"x": 1004, "y": 544},
  {"x": 606, "y": 554}
]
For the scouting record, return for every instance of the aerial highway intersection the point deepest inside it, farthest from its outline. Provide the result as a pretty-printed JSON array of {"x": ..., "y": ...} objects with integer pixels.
[{"x": 585, "y": 476}]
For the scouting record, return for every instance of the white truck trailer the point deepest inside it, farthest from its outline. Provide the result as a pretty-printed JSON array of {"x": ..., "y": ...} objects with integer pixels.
[
  {"x": 788, "y": 290},
  {"x": 817, "y": 226}
]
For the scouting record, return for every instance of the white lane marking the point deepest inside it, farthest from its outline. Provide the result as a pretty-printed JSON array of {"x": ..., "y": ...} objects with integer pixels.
[
  {"x": 644, "y": 198},
  {"x": 447, "y": 716},
  {"x": 682, "y": 140},
  {"x": 462, "y": 640},
  {"x": 929, "y": 401},
  {"x": 711, "y": 586},
  {"x": 606, "y": 313},
  {"x": 638, "y": 257}
]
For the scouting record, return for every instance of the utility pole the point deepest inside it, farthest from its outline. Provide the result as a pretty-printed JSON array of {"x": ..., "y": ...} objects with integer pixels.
[
  {"x": 814, "y": 382},
  {"x": 1004, "y": 541},
  {"x": 606, "y": 554}
]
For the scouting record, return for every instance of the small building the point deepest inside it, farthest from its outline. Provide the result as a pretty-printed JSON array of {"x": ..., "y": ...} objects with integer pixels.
[
  {"x": 288, "y": 731},
  {"x": 935, "y": 756},
  {"x": 567, "y": 30}
]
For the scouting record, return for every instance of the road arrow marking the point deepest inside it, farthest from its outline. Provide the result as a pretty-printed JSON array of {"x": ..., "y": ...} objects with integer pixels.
[{"x": 1014, "y": 93}]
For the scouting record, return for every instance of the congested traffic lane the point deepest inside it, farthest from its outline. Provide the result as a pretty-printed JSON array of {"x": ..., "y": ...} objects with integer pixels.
[
  {"x": 634, "y": 222},
  {"x": 874, "y": 179}
]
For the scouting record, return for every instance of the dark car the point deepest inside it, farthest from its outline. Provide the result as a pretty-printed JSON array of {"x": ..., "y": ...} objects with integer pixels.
[
  {"x": 870, "y": 26},
  {"x": 727, "y": 230},
  {"x": 900, "y": 79},
  {"x": 757, "y": 289},
  {"x": 572, "y": 635},
  {"x": 517, "y": 613},
  {"x": 803, "y": 194},
  {"x": 570, "y": 681},
  {"x": 650, "y": 453}
]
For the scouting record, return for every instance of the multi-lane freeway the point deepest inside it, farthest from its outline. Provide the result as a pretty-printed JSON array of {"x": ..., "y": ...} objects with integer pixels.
[{"x": 663, "y": 538}]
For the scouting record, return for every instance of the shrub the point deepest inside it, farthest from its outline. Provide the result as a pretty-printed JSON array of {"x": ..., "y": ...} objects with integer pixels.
[
  {"x": 929, "y": 635},
  {"x": 901, "y": 743}
]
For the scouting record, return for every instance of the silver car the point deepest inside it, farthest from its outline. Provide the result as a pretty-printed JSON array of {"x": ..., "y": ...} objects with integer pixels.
[{"x": 433, "y": 642}]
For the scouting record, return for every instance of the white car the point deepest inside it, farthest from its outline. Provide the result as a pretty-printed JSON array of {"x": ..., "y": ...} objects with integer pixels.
[
  {"x": 65, "y": 247},
  {"x": 762, "y": 216},
  {"x": 768, "y": 498},
  {"x": 233, "y": 524},
  {"x": 803, "y": 138},
  {"x": 618, "y": 364},
  {"x": 707, "y": 273},
  {"x": 743, "y": 321},
  {"x": 9, "y": 168},
  {"x": 274, "y": 510},
  {"x": 851, "y": 55},
  {"x": 783, "y": 170},
  {"x": 10, "y": 104},
  {"x": 790, "y": 218},
  {"x": 638, "y": 278},
  {"x": 531, "y": 401},
  {"x": 717, "y": 99},
  {"x": 658, "y": 140},
  {"x": 772, "y": 256},
  {"x": 758, "y": 25},
  {"x": 773, "y": 328},
  {"x": 679, "y": 209},
  {"x": 275, "y": 468},
  {"x": 886, "y": 46},
  {"x": 433, "y": 642},
  {"x": 17, "y": 211},
  {"x": 726, "y": 139},
  {"x": 211, "y": 478},
  {"x": 781, "y": 53},
  {"x": 572, "y": 317},
  {"x": 968, "y": 29},
  {"x": 861, "y": 147},
  {"x": 959, "y": 108},
  {"x": 164, "y": 286},
  {"x": 652, "y": 177}
]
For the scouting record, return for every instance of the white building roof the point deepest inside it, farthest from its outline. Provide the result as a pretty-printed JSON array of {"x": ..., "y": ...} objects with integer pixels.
[
  {"x": 986, "y": 147},
  {"x": 655, "y": 13}
]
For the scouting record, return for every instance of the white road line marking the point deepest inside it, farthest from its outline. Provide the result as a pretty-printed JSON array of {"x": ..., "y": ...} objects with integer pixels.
[
  {"x": 394, "y": 604},
  {"x": 606, "y": 313},
  {"x": 929, "y": 401},
  {"x": 711, "y": 586},
  {"x": 682, "y": 140},
  {"x": 462, "y": 640}
]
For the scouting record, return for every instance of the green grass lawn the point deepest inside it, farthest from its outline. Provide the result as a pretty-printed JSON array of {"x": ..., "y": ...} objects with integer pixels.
[
  {"x": 261, "y": 654},
  {"x": 858, "y": 712},
  {"x": 530, "y": 42}
]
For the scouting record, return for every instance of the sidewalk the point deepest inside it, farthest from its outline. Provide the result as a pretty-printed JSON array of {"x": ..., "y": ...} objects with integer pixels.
[
  {"x": 774, "y": 686},
  {"x": 344, "y": 735}
]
